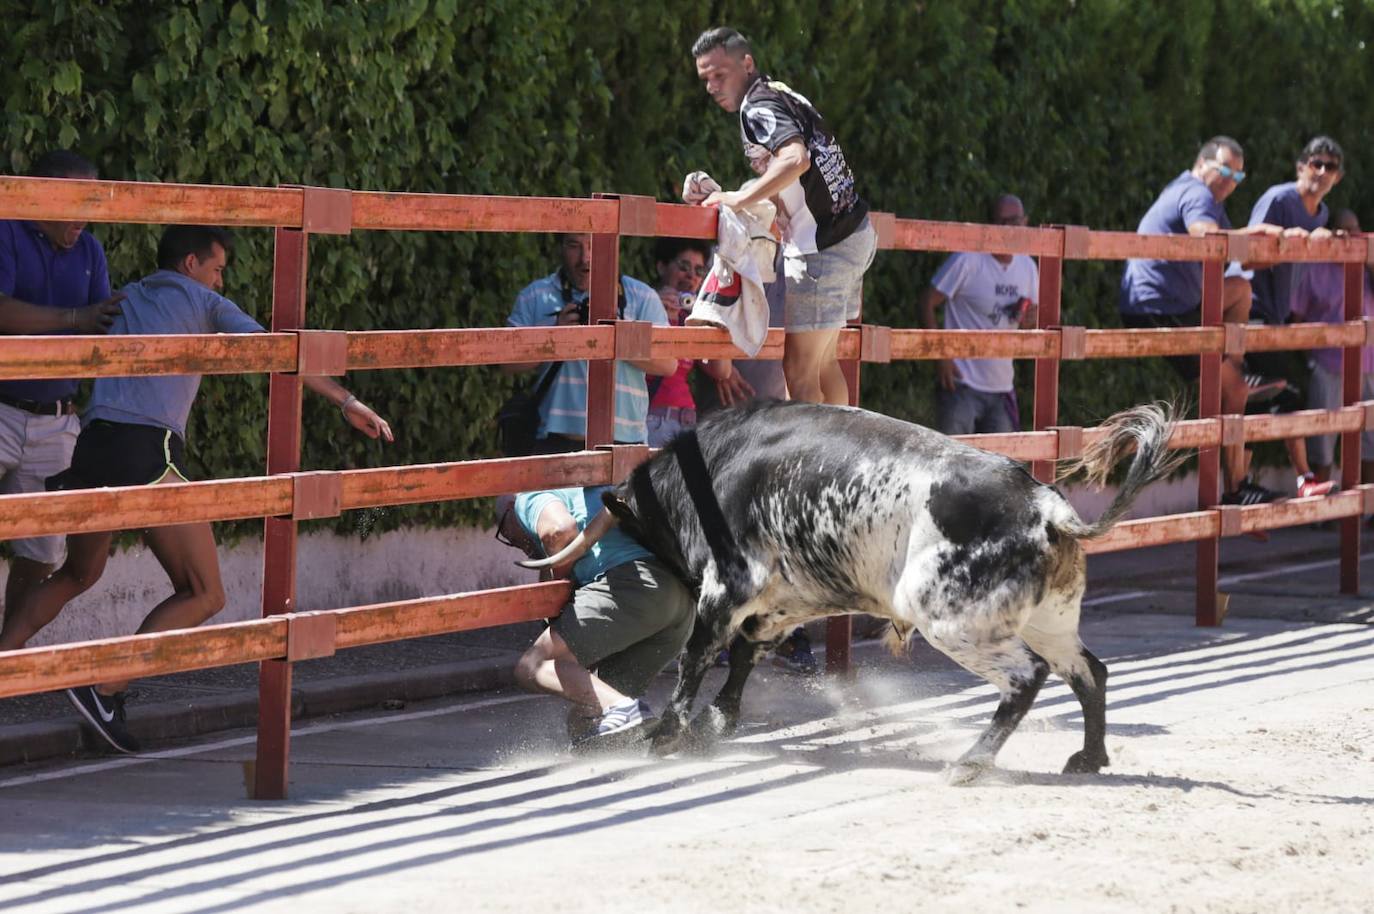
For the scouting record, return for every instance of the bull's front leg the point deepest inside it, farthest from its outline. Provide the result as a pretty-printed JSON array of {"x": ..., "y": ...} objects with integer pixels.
[
  {"x": 692, "y": 666},
  {"x": 744, "y": 655}
]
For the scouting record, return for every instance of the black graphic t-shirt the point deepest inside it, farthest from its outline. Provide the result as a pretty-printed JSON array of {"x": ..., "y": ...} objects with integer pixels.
[{"x": 823, "y": 206}]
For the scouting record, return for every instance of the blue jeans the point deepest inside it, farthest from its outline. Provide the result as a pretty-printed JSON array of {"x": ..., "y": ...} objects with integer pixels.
[{"x": 965, "y": 411}]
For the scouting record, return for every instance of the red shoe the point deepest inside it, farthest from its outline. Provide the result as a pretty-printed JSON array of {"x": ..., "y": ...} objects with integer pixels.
[{"x": 1308, "y": 486}]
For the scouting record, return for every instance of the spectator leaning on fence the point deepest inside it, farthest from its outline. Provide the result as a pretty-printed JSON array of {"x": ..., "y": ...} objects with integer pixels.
[
  {"x": 828, "y": 243},
  {"x": 133, "y": 434},
  {"x": 53, "y": 279},
  {"x": 1319, "y": 295},
  {"x": 681, "y": 264},
  {"x": 981, "y": 292},
  {"x": 1297, "y": 208},
  {"x": 561, "y": 299},
  {"x": 628, "y": 617},
  {"x": 1167, "y": 293}
]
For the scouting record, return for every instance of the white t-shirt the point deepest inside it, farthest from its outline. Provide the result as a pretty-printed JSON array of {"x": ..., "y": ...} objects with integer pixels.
[{"x": 985, "y": 295}]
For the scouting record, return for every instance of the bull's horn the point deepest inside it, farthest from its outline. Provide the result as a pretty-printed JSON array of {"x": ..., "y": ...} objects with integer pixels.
[{"x": 581, "y": 544}]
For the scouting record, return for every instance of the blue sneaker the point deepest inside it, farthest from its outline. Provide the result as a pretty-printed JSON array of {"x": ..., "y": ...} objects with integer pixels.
[
  {"x": 794, "y": 655},
  {"x": 622, "y": 725}
]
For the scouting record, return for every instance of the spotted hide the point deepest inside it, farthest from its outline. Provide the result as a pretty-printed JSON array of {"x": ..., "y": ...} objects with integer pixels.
[{"x": 780, "y": 513}]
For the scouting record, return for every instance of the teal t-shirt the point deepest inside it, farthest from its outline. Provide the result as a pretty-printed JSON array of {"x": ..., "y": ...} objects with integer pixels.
[{"x": 614, "y": 549}]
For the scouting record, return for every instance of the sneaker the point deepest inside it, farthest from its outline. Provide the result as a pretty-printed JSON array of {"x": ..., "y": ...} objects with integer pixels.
[
  {"x": 722, "y": 658},
  {"x": 106, "y": 714},
  {"x": 1250, "y": 492},
  {"x": 620, "y": 726},
  {"x": 1260, "y": 388},
  {"x": 1308, "y": 486},
  {"x": 794, "y": 654}
]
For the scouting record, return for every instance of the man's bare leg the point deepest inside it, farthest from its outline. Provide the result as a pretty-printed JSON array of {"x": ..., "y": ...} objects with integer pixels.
[
  {"x": 41, "y": 602},
  {"x": 549, "y": 666},
  {"x": 804, "y": 360}
]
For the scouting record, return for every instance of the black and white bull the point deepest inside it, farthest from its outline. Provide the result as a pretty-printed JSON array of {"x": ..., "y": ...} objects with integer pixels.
[{"x": 780, "y": 513}]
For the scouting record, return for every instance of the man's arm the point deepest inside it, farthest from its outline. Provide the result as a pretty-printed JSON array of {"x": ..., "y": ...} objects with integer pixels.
[
  {"x": 20, "y": 317},
  {"x": 946, "y": 372},
  {"x": 789, "y": 162},
  {"x": 355, "y": 411},
  {"x": 556, "y": 529}
]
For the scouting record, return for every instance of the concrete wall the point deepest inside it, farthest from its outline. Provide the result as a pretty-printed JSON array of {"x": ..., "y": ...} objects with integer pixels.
[{"x": 336, "y": 571}]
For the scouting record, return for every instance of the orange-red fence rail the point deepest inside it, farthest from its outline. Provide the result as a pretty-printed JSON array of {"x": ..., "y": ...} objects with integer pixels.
[{"x": 286, "y": 495}]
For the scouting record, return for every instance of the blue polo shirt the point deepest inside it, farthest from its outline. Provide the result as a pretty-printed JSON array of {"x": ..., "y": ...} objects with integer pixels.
[
  {"x": 1272, "y": 288},
  {"x": 1168, "y": 286},
  {"x": 33, "y": 271},
  {"x": 564, "y": 409},
  {"x": 165, "y": 302},
  {"x": 614, "y": 549}
]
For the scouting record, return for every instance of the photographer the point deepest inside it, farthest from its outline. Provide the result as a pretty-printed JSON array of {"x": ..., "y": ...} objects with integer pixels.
[{"x": 561, "y": 299}]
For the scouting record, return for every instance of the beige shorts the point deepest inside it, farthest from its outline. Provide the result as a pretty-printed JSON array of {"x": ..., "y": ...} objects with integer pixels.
[{"x": 32, "y": 448}]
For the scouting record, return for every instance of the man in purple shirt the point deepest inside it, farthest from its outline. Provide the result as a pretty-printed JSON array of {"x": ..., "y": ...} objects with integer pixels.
[
  {"x": 1297, "y": 207},
  {"x": 53, "y": 279},
  {"x": 1319, "y": 296},
  {"x": 1166, "y": 293}
]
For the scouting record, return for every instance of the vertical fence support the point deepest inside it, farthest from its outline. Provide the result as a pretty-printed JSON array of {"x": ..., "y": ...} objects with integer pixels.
[
  {"x": 1351, "y": 359},
  {"x": 1045, "y": 410},
  {"x": 1209, "y": 458},
  {"x": 604, "y": 288},
  {"x": 279, "y": 533}
]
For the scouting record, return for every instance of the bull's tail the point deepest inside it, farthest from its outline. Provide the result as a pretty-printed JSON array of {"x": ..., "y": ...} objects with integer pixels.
[{"x": 1143, "y": 429}]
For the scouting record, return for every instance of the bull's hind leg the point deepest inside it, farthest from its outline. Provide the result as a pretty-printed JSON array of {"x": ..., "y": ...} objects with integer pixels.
[
  {"x": 1018, "y": 674},
  {"x": 722, "y": 717},
  {"x": 1087, "y": 676}
]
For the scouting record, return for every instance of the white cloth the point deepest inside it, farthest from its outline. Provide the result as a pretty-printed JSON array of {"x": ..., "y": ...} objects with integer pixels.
[
  {"x": 984, "y": 295},
  {"x": 733, "y": 295}
]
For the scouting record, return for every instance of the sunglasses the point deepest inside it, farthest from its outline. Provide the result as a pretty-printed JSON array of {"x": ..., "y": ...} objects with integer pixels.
[
  {"x": 1227, "y": 171},
  {"x": 687, "y": 266},
  {"x": 1323, "y": 165}
]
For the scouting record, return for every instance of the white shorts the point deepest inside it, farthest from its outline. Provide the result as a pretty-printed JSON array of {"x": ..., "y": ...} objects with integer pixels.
[
  {"x": 32, "y": 448},
  {"x": 1324, "y": 392}
]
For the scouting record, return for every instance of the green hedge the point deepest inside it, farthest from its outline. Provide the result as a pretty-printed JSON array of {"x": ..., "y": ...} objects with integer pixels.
[{"x": 1085, "y": 109}]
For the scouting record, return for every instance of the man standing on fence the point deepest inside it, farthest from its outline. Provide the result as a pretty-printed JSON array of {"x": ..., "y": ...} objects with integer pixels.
[
  {"x": 981, "y": 292},
  {"x": 133, "y": 433},
  {"x": 53, "y": 280},
  {"x": 1297, "y": 207},
  {"x": 828, "y": 241},
  {"x": 561, "y": 299},
  {"x": 629, "y": 616},
  {"x": 1167, "y": 293}
]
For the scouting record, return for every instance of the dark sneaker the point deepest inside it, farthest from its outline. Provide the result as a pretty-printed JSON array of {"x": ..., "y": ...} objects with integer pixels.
[
  {"x": 1250, "y": 492},
  {"x": 620, "y": 726},
  {"x": 794, "y": 654},
  {"x": 106, "y": 714}
]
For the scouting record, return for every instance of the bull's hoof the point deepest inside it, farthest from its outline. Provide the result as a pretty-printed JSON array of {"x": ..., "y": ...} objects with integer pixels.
[
  {"x": 667, "y": 736},
  {"x": 727, "y": 721},
  {"x": 962, "y": 774},
  {"x": 709, "y": 727},
  {"x": 1082, "y": 762}
]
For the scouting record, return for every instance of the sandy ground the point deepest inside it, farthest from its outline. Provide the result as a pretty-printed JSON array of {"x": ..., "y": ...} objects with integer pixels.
[{"x": 1242, "y": 780}]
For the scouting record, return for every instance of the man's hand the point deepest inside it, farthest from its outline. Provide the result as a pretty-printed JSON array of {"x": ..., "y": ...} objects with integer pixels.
[
  {"x": 1295, "y": 231},
  {"x": 726, "y": 198},
  {"x": 360, "y": 416},
  {"x": 98, "y": 318},
  {"x": 1263, "y": 228},
  {"x": 946, "y": 373},
  {"x": 1322, "y": 234},
  {"x": 570, "y": 315},
  {"x": 733, "y": 389}
]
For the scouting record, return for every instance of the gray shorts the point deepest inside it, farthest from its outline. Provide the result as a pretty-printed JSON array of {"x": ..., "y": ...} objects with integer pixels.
[
  {"x": 32, "y": 448},
  {"x": 825, "y": 289},
  {"x": 965, "y": 411},
  {"x": 627, "y": 625},
  {"x": 1324, "y": 392}
]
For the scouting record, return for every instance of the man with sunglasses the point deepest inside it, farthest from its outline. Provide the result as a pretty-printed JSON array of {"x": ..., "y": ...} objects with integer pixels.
[
  {"x": 1298, "y": 207},
  {"x": 981, "y": 292},
  {"x": 1168, "y": 293}
]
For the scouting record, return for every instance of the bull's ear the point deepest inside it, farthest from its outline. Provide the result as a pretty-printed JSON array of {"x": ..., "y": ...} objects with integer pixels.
[{"x": 617, "y": 506}]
